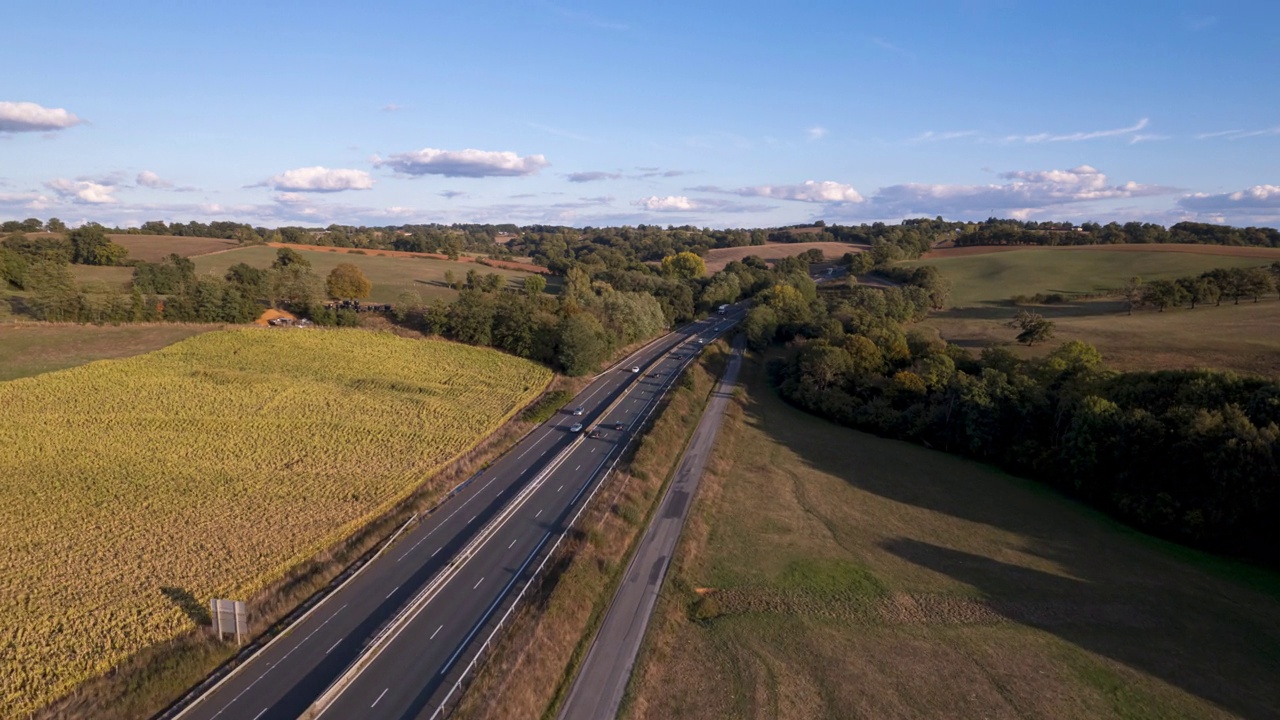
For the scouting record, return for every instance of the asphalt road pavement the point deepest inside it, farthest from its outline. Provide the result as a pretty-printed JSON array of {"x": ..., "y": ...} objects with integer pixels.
[
  {"x": 597, "y": 691},
  {"x": 441, "y": 586}
]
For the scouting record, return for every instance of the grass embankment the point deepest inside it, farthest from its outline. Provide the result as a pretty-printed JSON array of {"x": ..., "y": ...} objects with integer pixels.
[
  {"x": 390, "y": 275},
  {"x": 1231, "y": 337},
  {"x": 530, "y": 671},
  {"x": 32, "y": 348},
  {"x": 135, "y": 490},
  {"x": 836, "y": 574}
]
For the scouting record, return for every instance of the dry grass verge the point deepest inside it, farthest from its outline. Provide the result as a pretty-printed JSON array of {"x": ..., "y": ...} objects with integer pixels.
[{"x": 535, "y": 660}]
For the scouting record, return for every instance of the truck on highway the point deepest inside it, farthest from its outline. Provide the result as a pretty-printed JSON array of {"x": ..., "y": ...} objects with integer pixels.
[{"x": 724, "y": 309}]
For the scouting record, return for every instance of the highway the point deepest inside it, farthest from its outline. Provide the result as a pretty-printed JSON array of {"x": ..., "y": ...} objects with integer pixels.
[
  {"x": 597, "y": 690},
  {"x": 428, "y": 602}
]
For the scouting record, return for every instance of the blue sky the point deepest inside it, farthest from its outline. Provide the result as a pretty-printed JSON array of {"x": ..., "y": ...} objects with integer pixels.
[{"x": 720, "y": 114}]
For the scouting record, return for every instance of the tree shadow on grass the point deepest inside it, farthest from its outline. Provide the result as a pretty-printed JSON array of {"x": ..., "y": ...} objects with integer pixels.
[
  {"x": 195, "y": 610},
  {"x": 1113, "y": 592}
]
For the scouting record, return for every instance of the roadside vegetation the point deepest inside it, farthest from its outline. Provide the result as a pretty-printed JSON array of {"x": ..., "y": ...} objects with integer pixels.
[
  {"x": 532, "y": 667},
  {"x": 211, "y": 468},
  {"x": 829, "y": 573}
]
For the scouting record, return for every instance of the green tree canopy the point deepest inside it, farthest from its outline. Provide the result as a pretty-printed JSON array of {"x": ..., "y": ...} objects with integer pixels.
[
  {"x": 288, "y": 257},
  {"x": 91, "y": 246},
  {"x": 684, "y": 265},
  {"x": 347, "y": 281}
]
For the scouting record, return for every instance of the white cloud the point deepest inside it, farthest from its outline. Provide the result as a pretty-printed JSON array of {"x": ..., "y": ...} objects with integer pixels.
[
  {"x": 462, "y": 163},
  {"x": 1259, "y": 204},
  {"x": 1079, "y": 136},
  {"x": 30, "y": 117},
  {"x": 148, "y": 179},
  {"x": 320, "y": 179},
  {"x": 816, "y": 132},
  {"x": 592, "y": 176},
  {"x": 1240, "y": 134},
  {"x": 1028, "y": 192},
  {"x": 83, "y": 191},
  {"x": 670, "y": 203},
  {"x": 812, "y": 191},
  {"x": 392, "y": 107},
  {"x": 932, "y": 136}
]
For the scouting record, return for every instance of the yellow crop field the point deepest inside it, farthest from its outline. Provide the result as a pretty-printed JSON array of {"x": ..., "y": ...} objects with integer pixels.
[{"x": 208, "y": 469}]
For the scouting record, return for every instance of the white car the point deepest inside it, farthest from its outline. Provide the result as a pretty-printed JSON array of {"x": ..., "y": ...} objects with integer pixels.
[
  {"x": 579, "y": 410},
  {"x": 576, "y": 427},
  {"x": 702, "y": 341},
  {"x": 635, "y": 369}
]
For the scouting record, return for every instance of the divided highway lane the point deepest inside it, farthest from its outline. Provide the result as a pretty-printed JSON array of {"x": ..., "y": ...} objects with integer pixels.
[
  {"x": 284, "y": 678},
  {"x": 414, "y": 673}
]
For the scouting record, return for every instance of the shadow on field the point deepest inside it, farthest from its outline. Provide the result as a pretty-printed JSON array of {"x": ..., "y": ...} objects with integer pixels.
[
  {"x": 195, "y": 610},
  {"x": 1113, "y": 594},
  {"x": 1005, "y": 310}
]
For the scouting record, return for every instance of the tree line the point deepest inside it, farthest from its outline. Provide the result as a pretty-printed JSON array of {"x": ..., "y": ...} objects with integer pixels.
[
  {"x": 1189, "y": 455},
  {"x": 1017, "y": 232}
]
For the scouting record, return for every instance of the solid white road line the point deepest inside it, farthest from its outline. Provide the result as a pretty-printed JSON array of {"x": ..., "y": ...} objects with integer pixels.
[{"x": 375, "y": 702}]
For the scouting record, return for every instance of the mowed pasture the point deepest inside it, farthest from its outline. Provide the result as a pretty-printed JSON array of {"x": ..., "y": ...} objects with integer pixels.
[
  {"x": 156, "y": 247},
  {"x": 135, "y": 490},
  {"x": 1235, "y": 337},
  {"x": 718, "y": 258},
  {"x": 32, "y": 348},
  {"x": 828, "y": 573},
  {"x": 390, "y": 275}
]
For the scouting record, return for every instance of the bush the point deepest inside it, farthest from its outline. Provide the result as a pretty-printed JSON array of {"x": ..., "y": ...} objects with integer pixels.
[{"x": 546, "y": 406}]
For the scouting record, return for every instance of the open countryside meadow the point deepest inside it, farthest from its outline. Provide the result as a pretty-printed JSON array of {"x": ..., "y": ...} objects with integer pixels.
[
  {"x": 826, "y": 572},
  {"x": 136, "y": 489},
  {"x": 1231, "y": 336},
  {"x": 390, "y": 275},
  {"x": 32, "y": 348}
]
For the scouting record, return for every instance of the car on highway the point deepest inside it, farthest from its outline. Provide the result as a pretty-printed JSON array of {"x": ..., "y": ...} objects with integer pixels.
[
  {"x": 576, "y": 427},
  {"x": 635, "y": 369},
  {"x": 618, "y": 426},
  {"x": 596, "y": 435},
  {"x": 579, "y": 410},
  {"x": 702, "y": 341}
]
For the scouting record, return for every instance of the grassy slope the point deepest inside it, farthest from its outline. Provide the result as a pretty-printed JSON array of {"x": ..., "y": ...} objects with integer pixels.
[
  {"x": 995, "y": 277},
  {"x": 164, "y": 453},
  {"x": 31, "y": 349},
  {"x": 861, "y": 577},
  {"x": 1230, "y": 337},
  {"x": 390, "y": 275},
  {"x": 157, "y": 247}
]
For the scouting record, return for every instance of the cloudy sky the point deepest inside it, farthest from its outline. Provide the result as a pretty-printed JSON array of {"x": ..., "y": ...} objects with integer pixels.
[{"x": 743, "y": 113}]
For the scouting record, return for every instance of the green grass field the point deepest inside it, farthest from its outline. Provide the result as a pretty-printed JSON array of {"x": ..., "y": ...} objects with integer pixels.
[
  {"x": 32, "y": 348},
  {"x": 827, "y": 573},
  {"x": 993, "y": 278},
  {"x": 390, "y": 275},
  {"x": 135, "y": 490},
  {"x": 1233, "y": 337}
]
